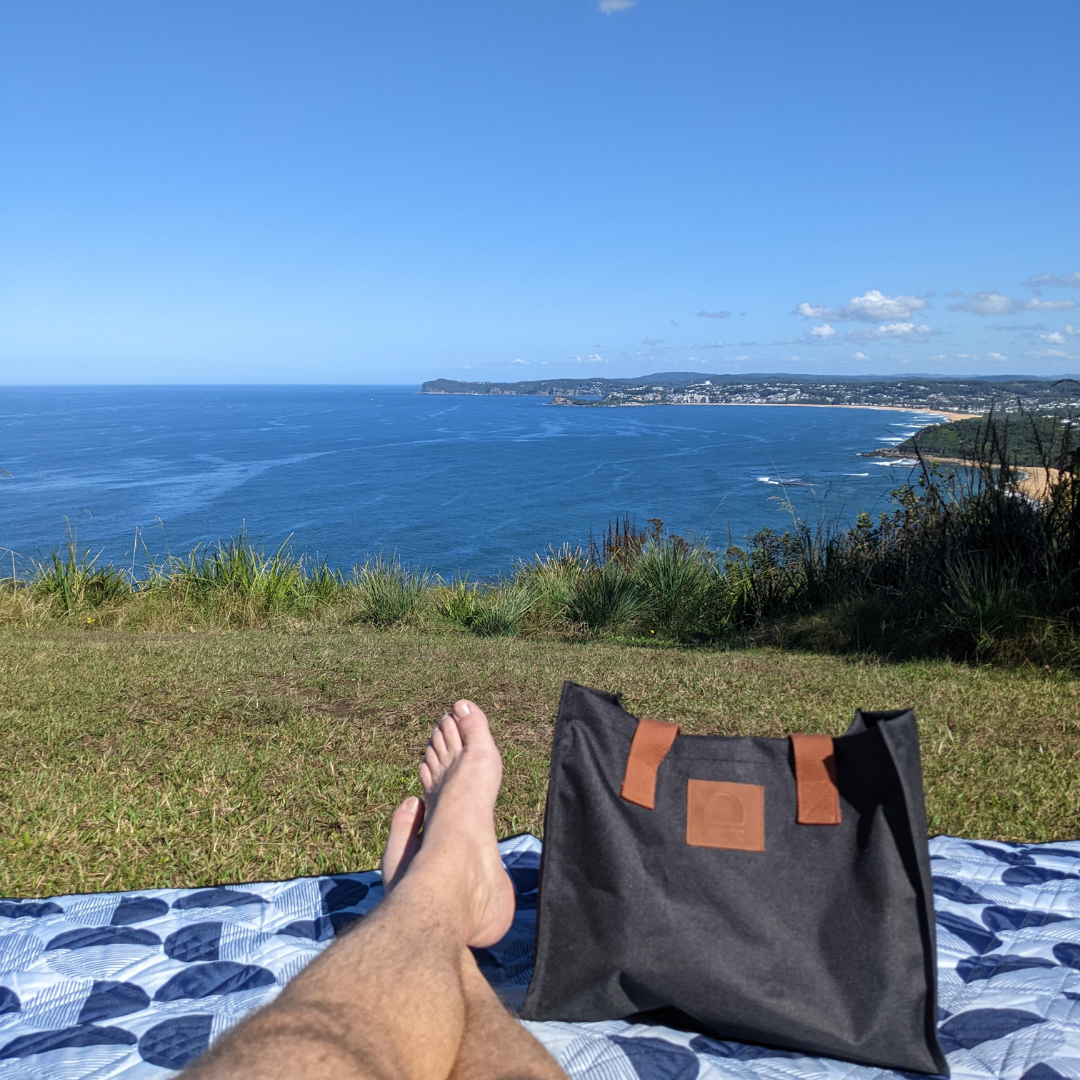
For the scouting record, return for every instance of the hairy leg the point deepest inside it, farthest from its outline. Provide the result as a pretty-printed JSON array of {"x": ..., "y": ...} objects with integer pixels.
[
  {"x": 400, "y": 997},
  {"x": 494, "y": 1046}
]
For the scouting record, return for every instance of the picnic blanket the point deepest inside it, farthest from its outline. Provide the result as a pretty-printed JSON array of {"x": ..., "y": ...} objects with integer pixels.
[{"x": 135, "y": 985}]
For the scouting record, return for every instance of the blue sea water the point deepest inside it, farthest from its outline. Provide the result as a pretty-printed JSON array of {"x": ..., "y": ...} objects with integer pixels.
[{"x": 456, "y": 484}]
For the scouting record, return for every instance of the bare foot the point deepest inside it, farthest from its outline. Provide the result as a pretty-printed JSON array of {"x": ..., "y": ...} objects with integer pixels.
[
  {"x": 460, "y": 774},
  {"x": 403, "y": 842}
]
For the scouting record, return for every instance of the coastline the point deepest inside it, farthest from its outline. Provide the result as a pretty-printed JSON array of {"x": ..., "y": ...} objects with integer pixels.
[
  {"x": 790, "y": 405},
  {"x": 1034, "y": 480}
]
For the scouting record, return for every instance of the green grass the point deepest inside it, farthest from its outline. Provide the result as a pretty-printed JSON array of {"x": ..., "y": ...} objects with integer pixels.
[{"x": 133, "y": 759}]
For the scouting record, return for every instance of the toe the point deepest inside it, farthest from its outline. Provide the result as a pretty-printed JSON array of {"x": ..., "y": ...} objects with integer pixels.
[
  {"x": 404, "y": 840},
  {"x": 452, "y": 735},
  {"x": 471, "y": 721},
  {"x": 437, "y": 742},
  {"x": 427, "y": 780},
  {"x": 431, "y": 760}
]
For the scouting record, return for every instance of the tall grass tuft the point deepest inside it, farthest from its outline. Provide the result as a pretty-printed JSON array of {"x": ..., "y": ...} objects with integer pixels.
[
  {"x": 501, "y": 611},
  {"x": 602, "y": 598},
  {"x": 72, "y": 581},
  {"x": 235, "y": 570},
  {"x": 457, "y": 602},
  {"x": 388, "y": 593}
]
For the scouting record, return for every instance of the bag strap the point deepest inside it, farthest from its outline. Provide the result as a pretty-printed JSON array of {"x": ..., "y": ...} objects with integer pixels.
[
  {"x": 815, "y": 780},
  {"x": 651, "y": 743}
]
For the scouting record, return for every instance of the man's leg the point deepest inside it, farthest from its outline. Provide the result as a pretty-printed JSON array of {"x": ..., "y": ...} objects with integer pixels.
[
  {"x": 494, "y": 1046},
  {"x": 398, "y": 997}
]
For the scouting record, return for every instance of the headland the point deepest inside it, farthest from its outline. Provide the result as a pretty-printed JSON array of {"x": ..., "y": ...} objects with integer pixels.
[{"x": 955, "y": 398}]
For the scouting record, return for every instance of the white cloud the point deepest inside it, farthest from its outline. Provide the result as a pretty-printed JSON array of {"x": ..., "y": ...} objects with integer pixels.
[
  {"x": 872, "y": 307},
  {"x": 609, "y": 7},
  {"x": 908, "y": 331},
  {"x": 993, "y": 303},
  {"x": 1054, "y": 338},
  {"x": 996, "y": 356},
  {"x": 860, "y": 356},
  {"x": 1039, "y": 281},
  {"x": 707, "y": 345},
  {"x": 714, "y": 314}
]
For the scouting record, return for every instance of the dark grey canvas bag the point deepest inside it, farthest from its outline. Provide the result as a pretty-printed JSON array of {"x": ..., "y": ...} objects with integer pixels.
[{"x": 774, "y": 891}]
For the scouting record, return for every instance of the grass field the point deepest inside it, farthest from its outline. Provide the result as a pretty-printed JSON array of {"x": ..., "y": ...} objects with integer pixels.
[{"x": 140, "y": 759}]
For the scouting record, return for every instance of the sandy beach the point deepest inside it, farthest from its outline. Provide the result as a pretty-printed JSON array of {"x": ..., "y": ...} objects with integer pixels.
[
  {"x": 1034, "y": 480},
  {"x": 816, "y": 405},
  {"x": 797, "y": 405}
]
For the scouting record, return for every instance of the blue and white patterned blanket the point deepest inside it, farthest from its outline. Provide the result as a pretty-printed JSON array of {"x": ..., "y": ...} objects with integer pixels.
[{"x": 134, "y": 985}]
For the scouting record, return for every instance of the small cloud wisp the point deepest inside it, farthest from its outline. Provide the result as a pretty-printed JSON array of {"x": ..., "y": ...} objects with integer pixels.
[
  {"x": 993, "y": 303},
  {"x": 1037, "y": 282}
]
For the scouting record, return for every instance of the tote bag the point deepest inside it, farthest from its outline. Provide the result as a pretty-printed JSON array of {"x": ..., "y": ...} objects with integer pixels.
[{"x": 773, "y": 891}]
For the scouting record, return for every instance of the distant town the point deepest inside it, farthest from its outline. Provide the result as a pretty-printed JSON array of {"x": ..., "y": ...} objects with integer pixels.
[{"x": 972, "y": 396}]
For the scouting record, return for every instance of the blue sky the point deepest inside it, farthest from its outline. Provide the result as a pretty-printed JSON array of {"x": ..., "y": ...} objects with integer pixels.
[{"x": 387, "y": 192}]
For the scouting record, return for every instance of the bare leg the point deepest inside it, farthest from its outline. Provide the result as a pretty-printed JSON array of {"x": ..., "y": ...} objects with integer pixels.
[
  {"x": 494, "y": 1046},
  {"x": 400, "y": 997}
]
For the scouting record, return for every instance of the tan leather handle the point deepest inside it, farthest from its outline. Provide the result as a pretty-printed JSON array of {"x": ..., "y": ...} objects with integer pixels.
[
  {"x": 815, "y": 780},
  {"x": 651, "y": 743}
]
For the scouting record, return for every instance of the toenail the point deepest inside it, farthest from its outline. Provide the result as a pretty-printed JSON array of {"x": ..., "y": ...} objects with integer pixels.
[
  {"x": 412, "y": 802},
  {"x": 464, "y": 706}
]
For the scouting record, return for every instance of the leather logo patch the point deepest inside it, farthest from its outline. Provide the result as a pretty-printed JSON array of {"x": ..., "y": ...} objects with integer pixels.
[{"x": 724, "y": 815}]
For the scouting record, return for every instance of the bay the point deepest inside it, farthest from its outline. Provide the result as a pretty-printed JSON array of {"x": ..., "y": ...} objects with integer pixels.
[{"x": 455, "y": 484}]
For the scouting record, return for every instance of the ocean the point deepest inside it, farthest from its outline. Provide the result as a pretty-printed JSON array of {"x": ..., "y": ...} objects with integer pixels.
[{"x": 455, "y": 484}]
